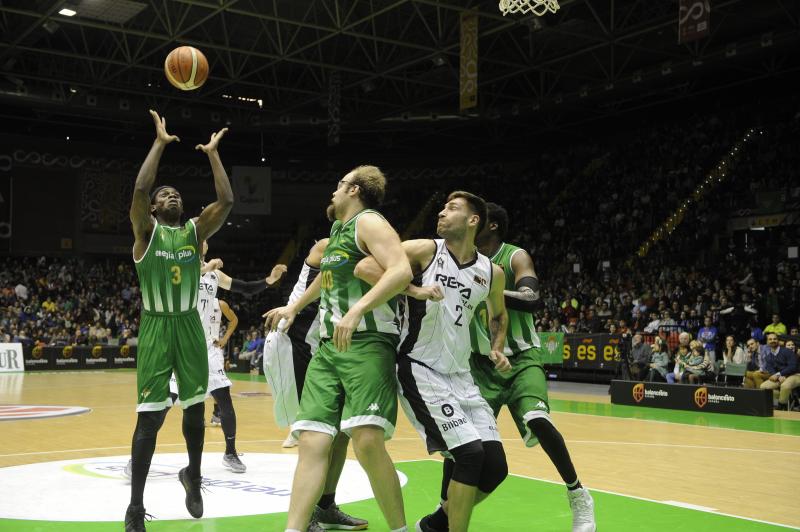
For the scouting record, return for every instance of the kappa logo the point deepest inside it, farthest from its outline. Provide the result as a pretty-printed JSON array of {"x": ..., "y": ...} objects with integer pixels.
[
  {"x": 373, "y": 407},
  {"x": 541, "y": 405}
]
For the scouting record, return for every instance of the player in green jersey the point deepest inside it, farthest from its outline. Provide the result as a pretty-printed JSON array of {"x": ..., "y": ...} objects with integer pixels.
[
  {"x": 524, "y": 389},
  {"x": 350, "y": 384},
  {"x": 167, "y": 256}
]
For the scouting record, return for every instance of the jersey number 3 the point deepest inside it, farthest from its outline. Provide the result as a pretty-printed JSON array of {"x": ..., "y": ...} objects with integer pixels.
[{"x": 176, "y": 274}]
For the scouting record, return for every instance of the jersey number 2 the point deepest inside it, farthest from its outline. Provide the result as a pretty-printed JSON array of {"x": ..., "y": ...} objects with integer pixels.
[{"x": 459, "y": 309}]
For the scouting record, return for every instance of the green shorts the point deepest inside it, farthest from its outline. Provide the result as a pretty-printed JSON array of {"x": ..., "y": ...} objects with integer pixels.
[
  {"x": 167, "y": 343},
  {"x": 523, "y": 389},
  {"x": 351, "y": 389}
]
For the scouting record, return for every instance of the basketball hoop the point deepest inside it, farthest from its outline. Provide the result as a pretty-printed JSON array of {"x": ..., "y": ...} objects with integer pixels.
[{"x": 537, "y": 7}]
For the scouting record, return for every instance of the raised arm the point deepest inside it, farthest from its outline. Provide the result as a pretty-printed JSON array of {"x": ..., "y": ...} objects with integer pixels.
[
  {"x": 498, "y": 319},
  {"x": 525, "y": 297},
  {"x": 233, "y": 322},
  {"x": 383, "y": 243},
  {"x": 141, "y": 217},
  {"x": 213, "y": 216}
]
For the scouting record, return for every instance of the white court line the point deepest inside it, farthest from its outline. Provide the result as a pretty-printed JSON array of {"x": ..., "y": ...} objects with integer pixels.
[
  {"x": 684, "y": 446},
  {"x": 673, "y": 423},
  {"x": 691, "y": 506},
  {"x": 181, "y": 444},
  {"x": 668, "y": 503}
]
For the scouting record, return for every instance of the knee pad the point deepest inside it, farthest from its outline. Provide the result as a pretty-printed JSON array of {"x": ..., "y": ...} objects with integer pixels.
[
  {"x": 541, "y": 426},
  {"x": 149, "y": 423},
  {"x": 495, "y": 466},
  {"x": 469, "y": 462}
]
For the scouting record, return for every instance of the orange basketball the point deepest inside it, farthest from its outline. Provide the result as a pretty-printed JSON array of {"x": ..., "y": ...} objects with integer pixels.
[{"x": 186, "y": 68}]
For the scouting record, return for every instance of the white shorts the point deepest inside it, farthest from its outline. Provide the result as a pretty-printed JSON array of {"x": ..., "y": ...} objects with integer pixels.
[
  {"x": 217, "y": 378},
  {"x": 278, "y": 364},
  {"x": 446, "y": 409}
]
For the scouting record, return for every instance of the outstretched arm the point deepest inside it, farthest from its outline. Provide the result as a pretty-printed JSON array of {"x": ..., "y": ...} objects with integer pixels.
[
  {"x": 141, "y": 218},
  {"x": 250, "y": 288},
  {"x": 419, "y": 253},
  {"x": 213, "y": 216}
]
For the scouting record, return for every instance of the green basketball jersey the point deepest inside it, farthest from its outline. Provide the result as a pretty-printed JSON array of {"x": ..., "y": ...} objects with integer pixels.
[
  {"x": 521, "y": 333},
  {"x": 169, "y": 271},
  {"x": 341, "y": 289}
]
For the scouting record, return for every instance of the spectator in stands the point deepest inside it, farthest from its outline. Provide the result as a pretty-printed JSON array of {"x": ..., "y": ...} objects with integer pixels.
[
  {"x": 776, "y": 326},
  {"x": 681, "y": 358},
  {"x": 659, "y": 361},
  {"x": 249, "y": 348},
  {"x": 698, "y": 368},
  {"x": 756, "y": 332},
  {"x": 778, "y": 362},
  {"x": 640, "y": 358},
  {"x": 708, "y": 336},
  {"x": 790, "y": 382},
  {"x": 733, "y": 353}
]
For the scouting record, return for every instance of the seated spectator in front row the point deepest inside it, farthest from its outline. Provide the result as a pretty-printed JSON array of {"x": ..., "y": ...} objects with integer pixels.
[
  {"x": 640, "y": 355},
  {"x": 781, "y": 363},
  {"x": 770, "y": 361},
  {"x": 681, "y": 357},
  {"x": 659, "y": 360},
  {"x": 788, "y": 384},
  {"x": 698, "y": 368}
]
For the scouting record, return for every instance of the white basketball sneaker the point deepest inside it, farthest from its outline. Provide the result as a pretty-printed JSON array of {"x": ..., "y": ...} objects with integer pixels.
[{"x": 582, "y": 505}]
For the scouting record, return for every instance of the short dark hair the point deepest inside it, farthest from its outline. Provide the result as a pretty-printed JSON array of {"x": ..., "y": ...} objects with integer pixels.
[
  {"x": 499, "y": 216},
  {"x": 476, "y": 204},
  {"x": 371, "y": 184},
  {"x": 155, "y": 192}
]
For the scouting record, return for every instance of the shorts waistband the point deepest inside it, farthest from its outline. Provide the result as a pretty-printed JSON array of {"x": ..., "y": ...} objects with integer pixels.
[{"x": 167, "y": 314}]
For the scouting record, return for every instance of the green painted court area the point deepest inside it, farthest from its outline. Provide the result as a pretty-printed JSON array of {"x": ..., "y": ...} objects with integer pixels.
[{"x": 520, "y": 504}]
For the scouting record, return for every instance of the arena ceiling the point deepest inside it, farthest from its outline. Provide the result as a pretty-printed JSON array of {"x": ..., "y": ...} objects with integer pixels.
[{"x": 398, "y": 60}]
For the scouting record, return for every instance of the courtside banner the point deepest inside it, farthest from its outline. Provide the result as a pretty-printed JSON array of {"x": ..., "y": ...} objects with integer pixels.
[
  {"x": 592, "y": 351},
  {"x": 11, "y": 358},
  {"x": 79, "y": 357},
  {"x": 697, "y": 398}
]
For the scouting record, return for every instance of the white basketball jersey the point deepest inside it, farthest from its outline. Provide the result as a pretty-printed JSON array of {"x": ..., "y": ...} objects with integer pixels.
[
  {"x": 306, "y": 324},
  {"x": 437, "y": 333},
  {"x": 214, "y": 321},
  {"x": 206, "y": 298}
]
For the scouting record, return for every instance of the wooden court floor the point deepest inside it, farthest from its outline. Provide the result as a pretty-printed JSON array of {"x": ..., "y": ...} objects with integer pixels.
[{"x": 737, "y": 471}]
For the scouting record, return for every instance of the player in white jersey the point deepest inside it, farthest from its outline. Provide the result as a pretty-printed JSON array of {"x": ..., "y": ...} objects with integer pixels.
[
  {"x": 437, "y": 391},
  {"x": 286, "y": 358}
]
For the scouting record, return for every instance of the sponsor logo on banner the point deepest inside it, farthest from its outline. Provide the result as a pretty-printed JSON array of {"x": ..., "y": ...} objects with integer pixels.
[
  {"x": 701, "y": 397},
  {"x": 638, "y": 392},
  {"x": 66, "y": 358},
  {"x": 265, "y": 489},
  {"x": 124, "y": 357},
  {"x": 96, "y": 358},
  {"x": 11, "y": 358}
]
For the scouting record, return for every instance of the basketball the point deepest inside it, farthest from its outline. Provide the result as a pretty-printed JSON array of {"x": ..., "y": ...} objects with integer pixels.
[{"x": 186, "y": 68}]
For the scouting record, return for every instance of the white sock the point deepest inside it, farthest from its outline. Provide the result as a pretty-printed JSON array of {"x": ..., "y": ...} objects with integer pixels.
[
  {"x": 401, "y": 529},
  {"x": 292, "y": 530}
]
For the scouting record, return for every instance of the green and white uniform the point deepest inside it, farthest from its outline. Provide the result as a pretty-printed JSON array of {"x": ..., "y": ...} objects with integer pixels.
[
  {"x": 356, "y": 387},
  {"x": 524, "y": 388},
  {"x": 171, "y": 336}
]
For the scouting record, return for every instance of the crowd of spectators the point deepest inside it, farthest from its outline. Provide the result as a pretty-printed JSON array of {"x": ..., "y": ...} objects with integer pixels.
[{"x": 581, "y": 211}]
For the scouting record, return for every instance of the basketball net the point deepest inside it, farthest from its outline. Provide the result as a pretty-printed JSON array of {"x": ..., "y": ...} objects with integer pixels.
[{"x": 537, "y": 7}]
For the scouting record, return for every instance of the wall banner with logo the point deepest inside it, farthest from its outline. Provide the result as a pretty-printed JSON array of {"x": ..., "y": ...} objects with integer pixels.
[
  {"x": 80, "y": 357},
  {"x": 11, "y": 358},
  {"x": 592, "y": 351},
  {"x": 716, "y": 399}
]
